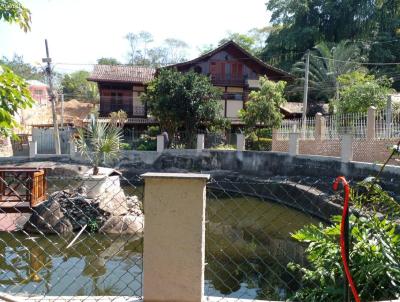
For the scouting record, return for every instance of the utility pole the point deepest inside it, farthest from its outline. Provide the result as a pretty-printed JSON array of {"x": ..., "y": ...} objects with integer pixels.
[
  {"x": 56, "y": 134},
  {"x": 305, "y": 96},
  {"x": 62, "y": 110}
]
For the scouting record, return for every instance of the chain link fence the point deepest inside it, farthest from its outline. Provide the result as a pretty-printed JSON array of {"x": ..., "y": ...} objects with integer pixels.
[{"x": 73, "y": 237}]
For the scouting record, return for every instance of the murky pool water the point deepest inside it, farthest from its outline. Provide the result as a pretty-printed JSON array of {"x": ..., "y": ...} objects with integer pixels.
[{"x": 248, "y": 246}]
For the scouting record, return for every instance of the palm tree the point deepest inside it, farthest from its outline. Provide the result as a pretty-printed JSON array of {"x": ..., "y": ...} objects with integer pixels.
[
  {"x": 326, "y": 64},
  {"x": 99, "y": 142}
]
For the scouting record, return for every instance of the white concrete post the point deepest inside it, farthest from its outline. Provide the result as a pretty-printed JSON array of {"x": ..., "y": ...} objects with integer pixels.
[
  {"x": 240, "y": 142},
  {"x": 200, "y": 142},
  {"x": 32, "y": 149},
  {"x": 294, "y": 144},
  {"x": 160, "y": 143},
  {"x": 319, "y": 126},
  {"x": 72, "y": 148},
  {"x": 346, "y": 151},
  {"x": 371, "y": 122},
  {"x": 174, "y": 245}
]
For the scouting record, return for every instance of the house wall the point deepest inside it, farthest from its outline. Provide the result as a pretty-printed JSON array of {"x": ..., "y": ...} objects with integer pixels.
[{"x": 130, "y": 94}]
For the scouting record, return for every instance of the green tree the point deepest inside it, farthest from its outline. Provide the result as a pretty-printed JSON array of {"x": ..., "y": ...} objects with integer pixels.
[
  {"x": 326, "y": 65},
  {"x": 14, "y": 93},
  {"x": 183, "y": 100},
  {"x": 298, "y": 25},
  {"x": 108, "y": 61},
  {"x": 76, "y": 86},
  {"x": 358, "y": 91},
  {"x": 12, "y": 11},
  {"x": 22, "y": 69},
  {"x": 263, "y": 108}
]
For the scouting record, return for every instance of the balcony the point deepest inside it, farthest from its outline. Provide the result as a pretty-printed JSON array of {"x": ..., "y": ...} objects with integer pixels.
[
  {"x": 227, "y": 80},
  {"x": 108, "y": 105}
]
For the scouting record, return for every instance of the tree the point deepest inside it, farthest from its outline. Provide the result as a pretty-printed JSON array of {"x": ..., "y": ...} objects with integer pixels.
[
  {"x": 171, "y": 51},
  {"x": 263, "y": 108},
  {"x": 14, "y": 93},
  {"x": 359, "y": 91},
  {"x": 76, "y": 86},
  {"x": 108, "y": 61},
  {"x": 298, "y": 25},
  {"x": 12, "y": 11},
  {"x": 22, "y": 69},
  {"x": 183, "y": 100},
  {"x": 326, "y": 65}
]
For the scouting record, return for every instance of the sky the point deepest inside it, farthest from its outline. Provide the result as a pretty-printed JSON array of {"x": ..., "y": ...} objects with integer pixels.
[{"x": 81, "y": 31}]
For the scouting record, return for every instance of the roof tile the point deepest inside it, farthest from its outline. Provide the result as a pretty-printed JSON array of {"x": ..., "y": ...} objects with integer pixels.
[{"x": 122, "y": 73}]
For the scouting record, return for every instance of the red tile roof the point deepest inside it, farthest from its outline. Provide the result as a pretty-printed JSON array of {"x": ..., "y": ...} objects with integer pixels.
[{"x": 122, "y": 73}]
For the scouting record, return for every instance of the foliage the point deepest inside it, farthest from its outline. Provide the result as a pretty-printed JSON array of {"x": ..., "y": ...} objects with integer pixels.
[
  {"x": 183, "y": 100},
  {"x": 13, "y": 11},
  {"x": 298, "y": 25},
  {"x": 153, "y": 131},
  {"x": 108, "y": 61},
  {"x": 374, "y": 257},
  {"x": 358, "y": 91},
  {"x": 22, "y": 69},
  {"x": 14, "y": 95},
  {"x": 140, "y": 53},
  {"x": 256, "y": 143},
  {"x": 326, "y": 65},
  {"x": 119, "y": 118},
  {"x": 99, "y": 143},
  {"x": 223, "y": 147},
  {"x": 263, "y": 107},
  {"x": 76, "y": 86},
  {"x": 126, "y": 146}
]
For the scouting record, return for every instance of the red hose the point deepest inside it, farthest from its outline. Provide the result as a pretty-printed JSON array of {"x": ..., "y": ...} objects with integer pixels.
[{"x": 342, "y": 234}]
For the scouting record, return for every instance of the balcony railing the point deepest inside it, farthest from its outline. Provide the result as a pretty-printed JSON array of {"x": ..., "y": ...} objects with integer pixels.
[{"x": 227, "y": 79}]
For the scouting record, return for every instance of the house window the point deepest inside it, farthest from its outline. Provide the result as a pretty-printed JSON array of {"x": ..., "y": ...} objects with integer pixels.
[
  {"x": 117, "y": 102},
  {"x": 226, "y": 70}
]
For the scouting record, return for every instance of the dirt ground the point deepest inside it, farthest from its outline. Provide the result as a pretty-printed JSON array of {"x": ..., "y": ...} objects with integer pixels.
[{"x": 74, "y": 112}]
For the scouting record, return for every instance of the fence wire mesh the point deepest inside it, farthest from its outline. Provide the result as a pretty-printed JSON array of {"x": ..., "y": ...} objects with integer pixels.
[
  {"x": 252, "y": 253},
  {"x": 70, "y": 236}
]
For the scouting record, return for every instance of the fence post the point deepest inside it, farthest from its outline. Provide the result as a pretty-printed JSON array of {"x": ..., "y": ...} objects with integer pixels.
[
  {"x": 160, "y": 143},
  {"x": 371, "y": 122},
  {"x": 72, "y": 148},
  {"x": 32, "y": 149},
  {"x": 174, "y": 245},
  {"x": 240, "y": 142},
  {"x": 294, "y": 143},
  {"x": 346, "y": 151},
  {"x": 389, "y": 116},
  {"x": 200, "y": 142},
  {"x": 319, "y": 126}
]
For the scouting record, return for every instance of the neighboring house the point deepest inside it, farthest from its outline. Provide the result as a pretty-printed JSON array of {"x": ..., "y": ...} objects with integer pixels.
[
  {"x": 230, "y": 67},
  {"x": 236, "y": 72},
  {"x": 120, "y": 87},
  {"x": 39, "y": 92}
]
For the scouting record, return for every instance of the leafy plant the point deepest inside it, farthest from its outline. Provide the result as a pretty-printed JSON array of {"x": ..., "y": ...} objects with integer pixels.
[
  {"x": 374, "y": 256},
  {"x": 263, "y": 107},
  {"x": 358, "y": 91},
  {"x": 12, "y": 11},
  {"x": 14, "y": 95},
  {"x": 99, "y": 143}
]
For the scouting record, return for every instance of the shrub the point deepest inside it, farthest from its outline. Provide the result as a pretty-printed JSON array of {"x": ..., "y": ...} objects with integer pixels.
[
  {"x": 125, "y": 146},
  {"x": 261, "y": 144},
  {"x": 153, "y": 131}
]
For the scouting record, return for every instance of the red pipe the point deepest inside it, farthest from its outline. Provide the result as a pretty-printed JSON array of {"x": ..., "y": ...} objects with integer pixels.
[{"x": 342, "y": 234}]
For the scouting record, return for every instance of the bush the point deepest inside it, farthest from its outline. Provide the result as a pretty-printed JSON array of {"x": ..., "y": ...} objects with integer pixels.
[
  {"x": 260, "y": 144},
  {"x": 125, "y": 146},
  {"x": 153, "y": 131},
  {"x": 223, "y": 147},
  {"x": 147, "y": 143},
  {"x": 374, "y": 251}
]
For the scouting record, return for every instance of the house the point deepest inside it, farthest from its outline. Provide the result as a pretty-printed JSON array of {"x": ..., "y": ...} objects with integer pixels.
[
  {"x": 230, "y": 68},
  {"x": 39, "y": 92},
  {"x": 236, "y": 72}
]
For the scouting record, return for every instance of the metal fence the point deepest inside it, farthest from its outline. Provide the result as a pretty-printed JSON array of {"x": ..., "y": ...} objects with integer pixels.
[{"x": 85, "y": 239}]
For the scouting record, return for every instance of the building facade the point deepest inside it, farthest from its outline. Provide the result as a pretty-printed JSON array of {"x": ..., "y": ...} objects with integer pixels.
[{"x": 230, "y": 68}]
